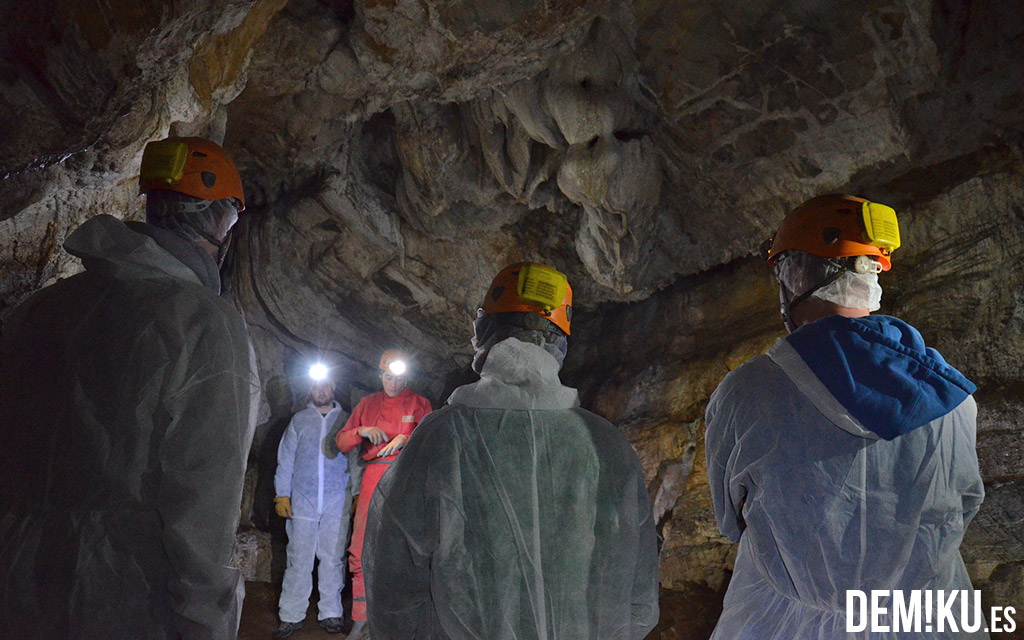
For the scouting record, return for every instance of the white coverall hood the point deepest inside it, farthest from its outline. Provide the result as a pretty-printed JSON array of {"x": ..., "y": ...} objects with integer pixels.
[
  {"x": 787, "y": 358},
  {"x": 517, "y": 375},
  {"x": 110, "y": 248}
]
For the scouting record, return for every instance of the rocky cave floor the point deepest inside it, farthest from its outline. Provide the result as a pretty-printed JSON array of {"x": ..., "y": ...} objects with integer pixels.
[
  {"x": 685, "y": 615},
  {"x": 689, "y": 613},
  {"x": 259, "y": 615}
]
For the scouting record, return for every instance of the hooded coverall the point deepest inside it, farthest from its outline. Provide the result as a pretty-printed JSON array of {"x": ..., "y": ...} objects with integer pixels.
[
  {"x": 397, "y": 415},
  {"x": 126, "y": 400},
  {"x": 843, "y": 459},
  {"x": 513, "y": 515},
  {"x": 314, "y": 475}
]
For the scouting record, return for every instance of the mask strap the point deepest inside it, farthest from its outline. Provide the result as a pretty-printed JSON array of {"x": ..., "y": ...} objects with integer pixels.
[
  {"x": 222, "y": 248},
  {"x": 222, "y": 245},
  {"x": 787, "y": 306}
]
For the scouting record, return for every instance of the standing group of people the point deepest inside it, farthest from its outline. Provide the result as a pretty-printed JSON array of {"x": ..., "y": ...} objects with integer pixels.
[
  {"x": 843, "y": 459},
  {"x": 511, "y": 513},
  {"x": 316, "y": 487}
]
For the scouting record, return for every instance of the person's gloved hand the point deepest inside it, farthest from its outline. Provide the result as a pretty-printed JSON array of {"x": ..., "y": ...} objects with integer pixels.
[
  {"x": 394, "y": 446},
  {"x": 375, "y": 435},
  {"x": 283, "y": 506}
]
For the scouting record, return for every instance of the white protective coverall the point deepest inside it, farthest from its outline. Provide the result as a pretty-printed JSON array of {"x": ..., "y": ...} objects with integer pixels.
[
  {"x": 822, "y": 501},
  {"x": 127, "y": 399},
  {"x": 512, "y": 514},
  {"x": 314, "y": 474}
]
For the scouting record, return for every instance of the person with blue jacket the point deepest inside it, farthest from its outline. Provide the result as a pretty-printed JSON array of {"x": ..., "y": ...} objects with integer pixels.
[
  {"x": 843, "y": 459},
  {"x": 313, "y": 494}
]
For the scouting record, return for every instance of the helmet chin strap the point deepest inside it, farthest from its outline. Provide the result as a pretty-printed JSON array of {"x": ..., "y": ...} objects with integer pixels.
[{"x": 786, "y": 308}]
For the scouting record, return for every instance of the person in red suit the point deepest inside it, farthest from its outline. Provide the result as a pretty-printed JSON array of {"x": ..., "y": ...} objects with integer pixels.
[{"x": 381, "y": 424}]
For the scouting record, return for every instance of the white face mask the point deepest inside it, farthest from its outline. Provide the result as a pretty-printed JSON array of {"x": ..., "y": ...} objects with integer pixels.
[
  {"x": 222, "y": 240},
  {"x": 854, "y": 290},
  {"x": 800, "y": 272}
]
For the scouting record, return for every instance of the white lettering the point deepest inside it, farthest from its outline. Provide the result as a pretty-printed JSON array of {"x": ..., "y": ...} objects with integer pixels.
[
  {"x": 1011, "y": 624},
  {"x": 878, "y": 611},
  {"x": 945, "y": 612},
  {"x": 906, "y": 614},
  {"x": 965, "y": 611},
  {"x": 928, "y": 611},
  {"x": 994, "y": 626},
  {"x": 863, "y": 603},
  {"x": 899, "y": 611}
]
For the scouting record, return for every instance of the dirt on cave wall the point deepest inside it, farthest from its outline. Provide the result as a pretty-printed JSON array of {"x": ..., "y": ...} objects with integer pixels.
[{"x": 396, "y": 154}]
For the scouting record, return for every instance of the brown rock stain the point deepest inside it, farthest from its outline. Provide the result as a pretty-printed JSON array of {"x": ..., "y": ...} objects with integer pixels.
[{"x": 220, "y": 59}]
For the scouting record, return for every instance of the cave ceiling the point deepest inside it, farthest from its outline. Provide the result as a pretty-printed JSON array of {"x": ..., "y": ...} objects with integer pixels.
[{"x": 396, "y": 154}]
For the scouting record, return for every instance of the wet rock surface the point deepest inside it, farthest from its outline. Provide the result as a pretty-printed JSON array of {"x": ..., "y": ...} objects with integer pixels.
[{"x": 397, "y": 154}]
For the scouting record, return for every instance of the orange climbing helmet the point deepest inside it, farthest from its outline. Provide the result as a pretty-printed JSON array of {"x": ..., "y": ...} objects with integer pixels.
[
  {"x": 394, "y": 361},
  {"x": 838, "y": 226},
  {"x": 192, "y": 166},
  {"x": 532, "y": 288}
]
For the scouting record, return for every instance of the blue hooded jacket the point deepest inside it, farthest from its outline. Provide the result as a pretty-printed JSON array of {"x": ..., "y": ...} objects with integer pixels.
[{"x": 880, "y": 370}]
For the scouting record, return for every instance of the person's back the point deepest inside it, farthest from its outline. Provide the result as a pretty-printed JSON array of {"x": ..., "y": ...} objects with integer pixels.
[
  {"x": 125, "y": 398},
  {"x": 828, "y": 505},
  {"x": 538, "y": 519},
  {"x": 513, "y": 514},
  {"x": 842, "y": 461}
]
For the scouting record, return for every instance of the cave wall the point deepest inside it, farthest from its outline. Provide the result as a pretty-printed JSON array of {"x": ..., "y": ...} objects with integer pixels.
[
  {"x": 396, "y": 154},
  {"x": 84, "y": 87}
]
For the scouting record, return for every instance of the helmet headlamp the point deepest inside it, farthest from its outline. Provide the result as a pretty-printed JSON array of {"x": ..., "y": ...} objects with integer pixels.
[{"x": 318, "y": 372}]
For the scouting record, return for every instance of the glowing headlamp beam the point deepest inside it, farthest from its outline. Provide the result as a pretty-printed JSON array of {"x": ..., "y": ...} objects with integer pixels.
[
  {"x": 397, "y": 367},
  {"x": 318, "y": 372}
]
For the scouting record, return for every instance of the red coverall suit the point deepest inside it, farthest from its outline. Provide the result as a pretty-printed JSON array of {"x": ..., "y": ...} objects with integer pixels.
[{"x": 398, "y": 415}]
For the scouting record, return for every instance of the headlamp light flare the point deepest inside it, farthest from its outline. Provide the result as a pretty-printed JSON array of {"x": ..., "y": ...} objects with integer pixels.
[
  {"x": 318, "y": 372},
  {"x": 398, "y": 367}
]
